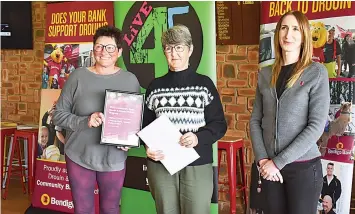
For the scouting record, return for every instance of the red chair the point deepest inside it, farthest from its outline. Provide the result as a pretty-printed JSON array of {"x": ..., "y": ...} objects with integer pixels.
[
  {"x": 231, "y": 148},
  {"x": 31, "y": 136}
]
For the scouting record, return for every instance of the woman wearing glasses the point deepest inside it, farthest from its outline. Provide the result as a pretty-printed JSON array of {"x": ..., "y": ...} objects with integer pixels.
[
  {"x": 192, "y": 103},
  {"x": 79, "y": 110}
]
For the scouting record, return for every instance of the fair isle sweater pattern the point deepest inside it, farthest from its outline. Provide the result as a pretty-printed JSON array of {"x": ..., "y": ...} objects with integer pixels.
[{"x": 184, "y": 106}]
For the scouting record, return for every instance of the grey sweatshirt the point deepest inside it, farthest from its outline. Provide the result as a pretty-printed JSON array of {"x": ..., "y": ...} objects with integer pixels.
[
  {"x": 286, "y": 130},
  {"x": 82, "y": 95}
]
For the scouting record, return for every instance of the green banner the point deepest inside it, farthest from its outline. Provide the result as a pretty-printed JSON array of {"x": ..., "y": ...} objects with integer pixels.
[{"x": 142, "y": 24}]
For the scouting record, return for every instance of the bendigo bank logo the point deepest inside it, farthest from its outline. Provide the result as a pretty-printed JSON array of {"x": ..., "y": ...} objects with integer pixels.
[
  {"x": 46, "y": 200},
  {"x": 340, "y": 146},
  {"x": 142, "y": 30}
]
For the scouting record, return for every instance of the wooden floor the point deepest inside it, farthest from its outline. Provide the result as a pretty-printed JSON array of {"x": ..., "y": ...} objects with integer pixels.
[{"x": 16, "y": 202}]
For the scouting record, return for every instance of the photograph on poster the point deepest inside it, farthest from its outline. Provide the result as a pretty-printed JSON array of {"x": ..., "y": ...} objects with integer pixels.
[
  {"x": 86, "y": 56},
  {"x": 60, "y": 60},
  {"x": 336, "y": 110},
  {"x": 51, "y": 138},
  {"x": 339, "y": 123},
  {"x": 336, "y": 189},
  {"x": 338, "y": 29}
]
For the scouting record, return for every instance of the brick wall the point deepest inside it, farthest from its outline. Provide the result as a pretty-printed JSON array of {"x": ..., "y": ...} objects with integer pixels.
[
  {"x": 21, "y": 74},
  {"x": 237, "y": 68}
]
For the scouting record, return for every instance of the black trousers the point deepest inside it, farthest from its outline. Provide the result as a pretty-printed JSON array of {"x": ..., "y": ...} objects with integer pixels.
[
  {"x": 351, "y": 70},
  {"x": 300, "y": 191}
]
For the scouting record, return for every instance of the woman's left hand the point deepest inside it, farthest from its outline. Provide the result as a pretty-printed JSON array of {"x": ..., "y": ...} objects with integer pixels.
[
  {"x": 124, "y": 148},
  {"x": 269, "y": 170},
  {"x": 189, "y": 140}
]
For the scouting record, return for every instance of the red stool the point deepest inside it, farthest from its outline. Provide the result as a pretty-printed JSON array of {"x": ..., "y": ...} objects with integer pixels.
[
  {"x": 5, "y": 132},
  {"x": 231, "y": 148},
  {"x": 31, "y": 135}
]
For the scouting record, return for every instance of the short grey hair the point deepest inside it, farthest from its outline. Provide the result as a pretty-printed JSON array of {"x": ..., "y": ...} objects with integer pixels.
[{"x": 178, "y": 34}]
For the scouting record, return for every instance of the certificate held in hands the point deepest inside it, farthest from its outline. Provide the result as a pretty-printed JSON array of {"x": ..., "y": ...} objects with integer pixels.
[
  {"x": 163, "y": 135},
  {"x": 123, "y": 118}
]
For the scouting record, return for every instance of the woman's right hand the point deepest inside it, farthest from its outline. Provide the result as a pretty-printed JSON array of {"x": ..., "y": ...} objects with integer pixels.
[
  {"x": 96, "y": 119},
  {"x": 262, "y": 162},
  {"x": 269, "y": 171},
  {"x": 156, "y": 155}
]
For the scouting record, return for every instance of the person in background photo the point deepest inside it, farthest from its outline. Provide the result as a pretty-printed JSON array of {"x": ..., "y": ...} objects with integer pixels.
[
  {"x": 62, "y": 78},
  {"x": 327, "y": 205},
  {"x": 344, "y": 57},
  {"x": 289, "y": 115},
  {"x": 69, "y": 70},
  {"x": 42, "y": 144},
  {"x": 54, "y": 84},
  {"x": 350, "y": 56},
  {"x": 56, "y": 134},
  {"x": 45, "y": 78},
  {"x": 194, "y": 106},
  {"x": 48, "y": 122},
  {"x": 331, "y": 185},
  {"x": 79, "y": 111},
  {"x": 332, "y": 55},
  {"x": 90, "y": 60}
]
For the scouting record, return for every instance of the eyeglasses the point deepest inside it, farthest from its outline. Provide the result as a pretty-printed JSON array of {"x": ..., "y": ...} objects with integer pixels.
[
  {"x": 177, "y": 48},
  {"x": 109, "y": 48}
]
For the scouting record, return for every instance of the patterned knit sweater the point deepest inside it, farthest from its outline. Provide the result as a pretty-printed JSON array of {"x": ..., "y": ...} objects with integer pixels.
[{"x": 192, "y": 103}]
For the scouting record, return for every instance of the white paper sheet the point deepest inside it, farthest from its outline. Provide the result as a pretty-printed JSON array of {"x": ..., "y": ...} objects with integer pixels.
[{"x": 163, "y": 135}]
